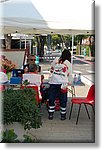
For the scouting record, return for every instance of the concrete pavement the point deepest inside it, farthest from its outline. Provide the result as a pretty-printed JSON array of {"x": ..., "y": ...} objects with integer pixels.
[
  {"x": 67, "y": 131},
  {"x": 57, "y": 131}
]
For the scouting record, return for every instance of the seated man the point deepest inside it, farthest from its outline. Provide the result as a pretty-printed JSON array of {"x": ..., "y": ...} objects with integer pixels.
[
  {"x": 32, "y": 74},
  {"x": 32, "y": 68},
  {"x": 31, "y": 60},
  {"x": 34, "y": 78}
]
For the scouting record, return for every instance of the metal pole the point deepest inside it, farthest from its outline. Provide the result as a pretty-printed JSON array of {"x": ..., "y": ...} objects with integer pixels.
[
  {"x": 30, "y": 45},
  {"x": 20, "y": 42},
  {"x": 72, "y": 53},
  {"x": 25, "y": 41}
]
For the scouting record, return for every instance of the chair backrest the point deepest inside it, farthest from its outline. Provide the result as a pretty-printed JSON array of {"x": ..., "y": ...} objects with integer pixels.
[
  {"x": 91, "y": 93},
  {"x": 32, "y": 78}
]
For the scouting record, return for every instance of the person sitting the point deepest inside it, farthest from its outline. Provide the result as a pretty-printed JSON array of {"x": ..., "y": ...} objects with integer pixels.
[
  {"x": 34, "y": 79},
  {"x": 31, "y": 60},
  {"x": 32, "y": 68}
]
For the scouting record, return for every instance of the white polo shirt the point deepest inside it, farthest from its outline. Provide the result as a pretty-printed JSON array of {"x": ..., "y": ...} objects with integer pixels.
[{"x": 60, "y": 73}]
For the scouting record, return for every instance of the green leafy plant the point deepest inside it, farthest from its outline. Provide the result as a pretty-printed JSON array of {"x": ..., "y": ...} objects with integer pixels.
[
  {"x": 9, "y": 136},
  {"x": 21, "y": 106},
  {"x": 28, "y": 139},
  {"x": 26, "y": 82}
]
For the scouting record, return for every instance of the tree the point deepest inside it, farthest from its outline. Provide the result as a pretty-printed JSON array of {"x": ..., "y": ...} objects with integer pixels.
[
  {"x": 8, "y": 38},
  {"x": 56, "y": 39},
  {"x": 68, "y": 41},
  {"x": 41, "y": 40},
  {"x": 79, "y": 38},
  {"x": 92, "y": 45}
]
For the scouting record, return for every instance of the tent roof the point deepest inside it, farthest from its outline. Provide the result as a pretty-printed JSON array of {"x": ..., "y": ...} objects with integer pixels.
[{"x": 47, "y": 17}]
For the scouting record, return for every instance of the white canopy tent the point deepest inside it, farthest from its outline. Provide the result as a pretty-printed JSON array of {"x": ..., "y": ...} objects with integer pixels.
[{"x": 47, "y": 17}]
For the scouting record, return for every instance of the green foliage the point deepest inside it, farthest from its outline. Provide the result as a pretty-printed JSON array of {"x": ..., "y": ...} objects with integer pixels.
[
  {"x": 56, "y": 39},
  {"x": 9, "y": 136},
  {"x": 21, "y": 106},
  {"x": 87, "y": 50},
  {"x": 27, "y": 139},
  {"x": 79, "y": 38},
  {"x": 26, "y": 82},
  {"x": 9, "y": 75}
]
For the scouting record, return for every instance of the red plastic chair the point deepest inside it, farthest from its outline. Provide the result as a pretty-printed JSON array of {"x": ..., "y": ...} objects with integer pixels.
[
  {"x": 35, "y": 87},
  {"x": 89, "y": 100},
  {"x": 2, "y": 87}
]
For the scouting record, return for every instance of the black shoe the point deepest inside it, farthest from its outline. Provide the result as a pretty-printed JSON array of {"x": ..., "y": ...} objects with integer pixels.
[
  {"x": 50, "y": 116},
  {"x": 63, "y": 116}
]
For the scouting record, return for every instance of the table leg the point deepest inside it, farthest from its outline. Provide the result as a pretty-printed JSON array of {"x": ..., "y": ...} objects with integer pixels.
[{"x": 72, "y": 90}]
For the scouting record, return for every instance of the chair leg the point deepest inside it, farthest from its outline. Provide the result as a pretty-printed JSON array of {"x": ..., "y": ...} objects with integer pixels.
[
  {"x": 87, "y": 111},
  {"x": 71, "y": 111},
  {"x": 78, "y": 114},
  {"x": 73, "y": 90},
  {"x": 93, "y": 109}
]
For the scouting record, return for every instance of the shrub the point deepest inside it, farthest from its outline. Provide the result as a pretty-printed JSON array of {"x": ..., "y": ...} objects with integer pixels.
[
  {"x": 9, "y": 136},
  {"x": 21, "y": 106}
]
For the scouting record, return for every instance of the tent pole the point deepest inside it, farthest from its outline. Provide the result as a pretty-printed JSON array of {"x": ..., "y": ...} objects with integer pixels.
[
  {"x": 20, "y": 42},
  {"x": 25, "y": 41},
  {"x": 30, "y": 45},
  {"x": 72, "y": 54}
]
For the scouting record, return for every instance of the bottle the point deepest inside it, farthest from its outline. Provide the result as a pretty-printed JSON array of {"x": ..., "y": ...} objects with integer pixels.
[
  {"x": 79, "y": 78},
  {"x": 75, "y": 79},
  {"x": 37, "y": 60}
]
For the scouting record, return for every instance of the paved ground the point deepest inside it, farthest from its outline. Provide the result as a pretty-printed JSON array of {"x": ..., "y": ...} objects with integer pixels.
[
  {"x": 66, "y": 131},
  {"x": 55, "y": 131},
  {"x": 85, "y": 67}
]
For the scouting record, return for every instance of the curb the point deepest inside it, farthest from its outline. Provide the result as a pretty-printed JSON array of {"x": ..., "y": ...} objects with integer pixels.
[
  {"x": 84, "y": 60},
  {"x": 87, "y": 81}
]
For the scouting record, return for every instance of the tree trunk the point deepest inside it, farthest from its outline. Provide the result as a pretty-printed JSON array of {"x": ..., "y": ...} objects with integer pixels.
[
  {"x": 7, "y": 41},
  {"x": 38, "y": 45},
  {"x": 80, "y": 45}
]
